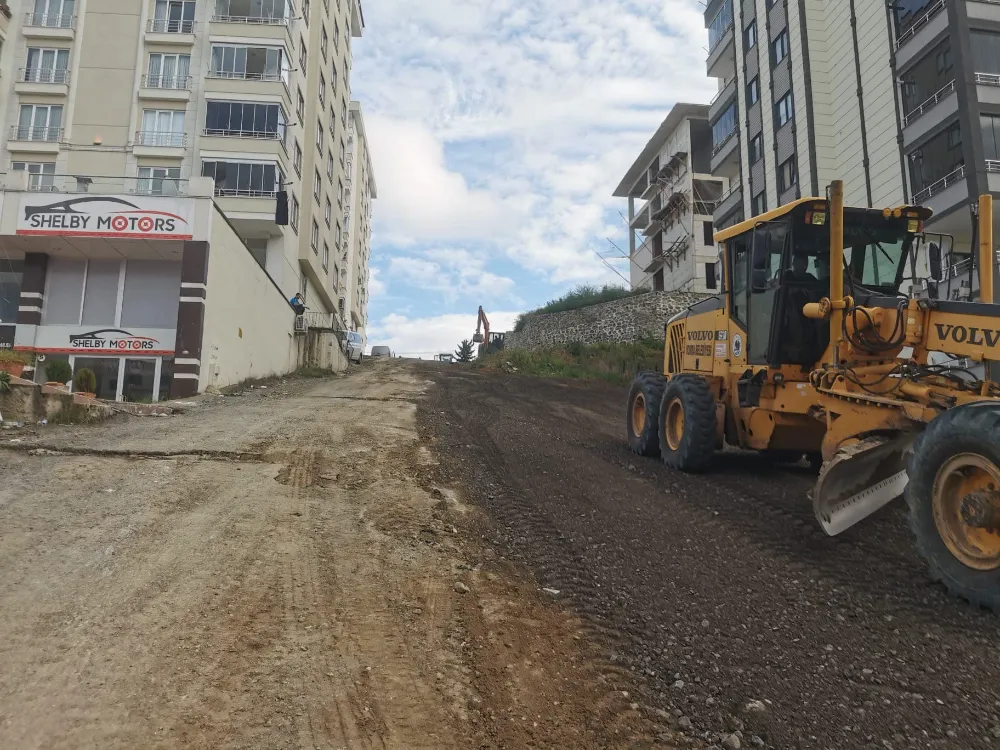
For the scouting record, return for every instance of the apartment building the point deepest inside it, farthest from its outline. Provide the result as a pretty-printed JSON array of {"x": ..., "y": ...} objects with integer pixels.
[
  {"x": 140, "y": 100},
  {"x": 359, "y": 191},
  {"x": 671, "y": 198},
  {"x": 900, "y": 100}
]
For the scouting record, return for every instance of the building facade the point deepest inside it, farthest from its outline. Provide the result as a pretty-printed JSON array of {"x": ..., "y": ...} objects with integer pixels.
[
  {"x": 671, "y": 198},
  {"x": 360, "y": 191},
  {"x": 251, "y": 97},
  {"x": 900, "y": 100}
]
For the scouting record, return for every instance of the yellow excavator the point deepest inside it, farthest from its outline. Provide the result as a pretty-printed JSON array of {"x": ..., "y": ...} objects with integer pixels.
[{"x": 823, "y": 343}]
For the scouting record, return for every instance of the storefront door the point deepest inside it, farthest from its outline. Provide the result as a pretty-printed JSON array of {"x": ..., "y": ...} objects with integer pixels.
[
  {"x": 142, "y": 380},
  {"x": 139, "y": 380}
]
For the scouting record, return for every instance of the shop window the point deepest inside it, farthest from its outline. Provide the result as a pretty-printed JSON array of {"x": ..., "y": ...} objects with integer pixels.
[
  {"x": 10, "y": 291},
  {"x": 105, "y": 371},
  {"x": 100, "y": 298},
  {"x": 65, "y": 291},
  {"x": 151, "y": 295},
  {"x": 166, "y": 378}
]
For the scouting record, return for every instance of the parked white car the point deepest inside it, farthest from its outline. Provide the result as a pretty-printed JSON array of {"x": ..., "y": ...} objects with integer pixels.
[
  {"x": 381, "y": 352},
  {"x": 354, "y": 346}
]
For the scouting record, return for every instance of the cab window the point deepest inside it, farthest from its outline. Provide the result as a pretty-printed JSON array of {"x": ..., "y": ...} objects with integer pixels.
[{"x": 739, "y": 252}]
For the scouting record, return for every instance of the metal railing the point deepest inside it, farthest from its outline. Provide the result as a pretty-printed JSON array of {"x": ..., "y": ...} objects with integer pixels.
[
  {"x": 25, "y": 133},
  {"x": 260, "y": 135},
  {"x": 239, "y": 193},
  {"x": 988, "y": 79},
  {"x": 50, "y": 21},
  {"x": 246, "y": 75},
  {"x": 175, "y": 83},
  {"x": 43, "y": 75},
  {"x": 919, "y": 23},
  {"x": 169, "y": 26},
  {"x": 64, "y": 183},
  {"x": 992, "y": 165},
  {"x": 725, "y": 139},
  {"x": 160, "y": 138},
  {"x": 320, "y": 320},
  {"x": 721, "y": 91},
  {"x": 936, "y": 187},
  {"x": 929, "y": 104},
  {"x": 261, "y": 20}
]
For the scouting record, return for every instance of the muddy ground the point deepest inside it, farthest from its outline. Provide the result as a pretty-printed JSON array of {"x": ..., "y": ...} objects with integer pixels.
[
  {"x": 287, "y": 568},
  {"x": 719, "y": 590}
]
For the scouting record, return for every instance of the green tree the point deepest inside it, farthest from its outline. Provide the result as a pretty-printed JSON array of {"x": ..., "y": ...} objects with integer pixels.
[{"x": 464, "y": 353}]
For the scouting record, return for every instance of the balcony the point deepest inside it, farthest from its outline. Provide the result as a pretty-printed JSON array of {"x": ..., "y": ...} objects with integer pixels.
[
  {"x": 726, "y": 155},
  {"x": 940, "y": 107},
  {"x": 37, "y": 139},
  {"x": 730, "y": 202},
  {"x": 273, "y": 29},
  {"x": 76, "y": 184},
  {"x": 993, "y": 175},
  {"x": 155, "y": 143},
  {"x": 722, "y": 99},
  {"x": 49, "y": 26},
  {"x": 945, "y": 193},
  {"x": 170, "y": 31},
  {"x": 173, "y": 88},
  {"x": 5, "y": 16},
  {"x": 274, "y": 83},
  {"x": 721, "y": 49},
  {"x": 988, "y": 88},
  {"x": 914, "y": 41},
  {"x": 53, "y": 81}
]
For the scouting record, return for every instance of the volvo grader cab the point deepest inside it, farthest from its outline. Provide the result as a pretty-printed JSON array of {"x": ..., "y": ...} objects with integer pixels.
[{"x": 821, "y": 345}]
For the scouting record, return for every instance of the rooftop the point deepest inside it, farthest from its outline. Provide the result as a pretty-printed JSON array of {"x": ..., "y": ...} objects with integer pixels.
[{"x": 678, "y": 113}]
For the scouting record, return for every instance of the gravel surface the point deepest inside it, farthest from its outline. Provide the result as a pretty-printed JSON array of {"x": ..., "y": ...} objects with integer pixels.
[{"x": 749, "y": 625}]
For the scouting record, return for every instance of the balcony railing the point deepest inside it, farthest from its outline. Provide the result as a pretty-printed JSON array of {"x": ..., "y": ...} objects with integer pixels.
[
  {"x": 246, "y": 75},
  {"x": 912, "y": 30},
  {"x": 262, "y": 20},
  {"x": 928, "y": 105},
  {"x": 240, "y": 193},
  {"x": 43, "y": 75},
  {"x": 259, "y": 135},
  {"x": 169, "y": 26},
  {"x": 63, "y": 183},
  {"x": 992, "y": 165},
  {"x": 988, "y": 79},
  {"x": 175, "y": 83},
  {"x": 159, "y": 138},
  {"x": 936, "y": 187},
  {"x": 723, "y": 141},
  {"x": 721, "y": 24},
  {"x": 25, "y": 133},
  {"x": 320, "y": 320},
  {"x": 49, "y": 21}
]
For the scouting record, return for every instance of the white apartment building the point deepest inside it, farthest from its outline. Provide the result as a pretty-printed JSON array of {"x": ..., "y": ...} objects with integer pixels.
[
  {"x": 900, "y": 100},
  {"x": 671, "y": 197},
  {"x": 137, "y": 101},
  {"x": 359, "y": 191}
]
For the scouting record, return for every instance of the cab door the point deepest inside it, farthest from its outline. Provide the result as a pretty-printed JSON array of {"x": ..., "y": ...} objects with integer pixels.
[{"x": 769, "y": 250}]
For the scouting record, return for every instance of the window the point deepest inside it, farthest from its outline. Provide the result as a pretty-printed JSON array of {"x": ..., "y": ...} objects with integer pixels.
[
  {"x": 756, "y": 151},
  {"x": 319, "y": 137},
  {"x": 343, "y": 112},
  {"x": 158, "y": 180},
  {"x": 245, "y": 120},
  {"x": 340, "y": 193},
  {"x": 293, "y": 213},
  {"x": 724, "y": 127},
  {"x": 329, "y": 166},
  {"x": 343, "y": 152},
  {"x": 759, "y": 204},
  {"x": 710, "y": 275},
  {"x": 52, "y": 14},
  {"x": 750, "y": 35},
  {"x": 162, "y": 127},
  {"x": 938, "y": 158},
  {"x": 168, "y": 71},
  {"x": 314, "y": 237},
  {"x": 788, "y": 174},
  {"x": 305, "y": 12},
  {"x": 47, "y": 65},
  {"x": 326, "y": 256},
  {"x": 779, "y": 47},
  {"x": 303, "y": 56},
  {"x": 300, "y": 105},
  {"x": 336, "y": 237},
  {"x": 720, "y": 24},
  {"x": 297, "y": 157},
  {"x": 753, "y": 91},
  {"x": 707, "y": 233},
  {"x": 41, "y": 178},
  {"x": 333, "y": 121},
  {"x": 39, "y": 122},
  {"x": 324, "y": 43},
  {"x": 317, "y": 185},
  {"x": 985, "y": 47},
  {"x": 249, "y": 63},
  {"x": 926, "y": 78},
  {"x": 783, "y": 109},
  {"x": 244, "y": 179},
  {"x": 322, "y": 90},
  {"x": 328, "y": 211},
  {"x": 739, "y": 249},
  {"x": 336, "y": 35},
  {"x": 173, "y": 17},
  {"x": 252, "y": 11},
  {"x": 333, "y": 73}
]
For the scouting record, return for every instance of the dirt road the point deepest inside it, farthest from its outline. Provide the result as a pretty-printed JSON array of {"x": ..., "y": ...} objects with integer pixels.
[
  {"x": 289, "y": 568},
  {"x": 719, "y": 589}
]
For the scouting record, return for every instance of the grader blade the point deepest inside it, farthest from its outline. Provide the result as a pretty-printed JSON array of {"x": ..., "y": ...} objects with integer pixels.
[{"x": 859, "y": 480}]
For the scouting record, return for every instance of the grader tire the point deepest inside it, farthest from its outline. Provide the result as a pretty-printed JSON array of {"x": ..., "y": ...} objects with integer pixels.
[
  {"x": 954, "y": 478},
  {"x": 687, "y": 424},
  {"x": 642, "y": 416}
]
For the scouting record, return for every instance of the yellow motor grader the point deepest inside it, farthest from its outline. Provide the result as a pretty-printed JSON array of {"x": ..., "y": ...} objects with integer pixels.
[{"x": 812, "y": 349}]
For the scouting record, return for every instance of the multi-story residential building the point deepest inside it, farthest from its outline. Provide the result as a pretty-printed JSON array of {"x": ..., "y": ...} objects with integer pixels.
[
  {"x": 671, "y": 196},
  {"x": 900, "y": 100},
  {"x": 358, "y": 192},
  {"x": 144, "y": 99}
]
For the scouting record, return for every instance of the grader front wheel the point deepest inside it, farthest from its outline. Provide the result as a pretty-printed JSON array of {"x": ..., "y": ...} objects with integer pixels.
[
  {"x": 687, "y": 423},
  {"x": 954, "y": 500},
  {"x": 643, "y": 412}
]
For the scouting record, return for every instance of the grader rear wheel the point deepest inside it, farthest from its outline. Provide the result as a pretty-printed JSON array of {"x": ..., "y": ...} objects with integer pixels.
[
  {"x": 687, "y": 423},
  {"x": 643, "y": 412},
  {"x": 954, "y": 500}
]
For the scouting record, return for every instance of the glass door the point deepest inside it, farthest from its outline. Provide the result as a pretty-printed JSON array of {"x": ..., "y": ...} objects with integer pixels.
[{"x": 139, "y": 381}]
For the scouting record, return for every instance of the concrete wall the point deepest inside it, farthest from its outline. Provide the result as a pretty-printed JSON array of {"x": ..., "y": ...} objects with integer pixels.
[
  {"x": 621, "y": 321},
  {"x": 248, "y": 329}
]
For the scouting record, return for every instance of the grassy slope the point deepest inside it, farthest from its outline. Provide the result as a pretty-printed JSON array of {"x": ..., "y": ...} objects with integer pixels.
[{"x": 614, "y": 363}]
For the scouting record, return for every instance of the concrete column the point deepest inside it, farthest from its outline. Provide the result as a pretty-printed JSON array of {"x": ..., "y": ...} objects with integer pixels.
[{"x": 190, "y": 320}]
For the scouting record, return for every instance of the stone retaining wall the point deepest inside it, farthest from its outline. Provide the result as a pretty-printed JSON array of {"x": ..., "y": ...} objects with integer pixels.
[{"x": 621, "y": 321}]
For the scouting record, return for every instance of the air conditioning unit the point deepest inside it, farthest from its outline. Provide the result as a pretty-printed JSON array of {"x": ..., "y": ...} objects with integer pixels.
[{"x": 301, "y": 326}]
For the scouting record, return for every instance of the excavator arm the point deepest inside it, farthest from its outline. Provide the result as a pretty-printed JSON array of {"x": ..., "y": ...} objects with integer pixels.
[{"x": 482, "y": 324}]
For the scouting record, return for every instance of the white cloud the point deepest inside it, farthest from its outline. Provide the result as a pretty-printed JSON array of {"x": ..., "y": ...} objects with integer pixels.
[
  {"x": 428, "y": 336},
  {"x": 451, "y": 273},
  {"x": 376, "y": 287}
]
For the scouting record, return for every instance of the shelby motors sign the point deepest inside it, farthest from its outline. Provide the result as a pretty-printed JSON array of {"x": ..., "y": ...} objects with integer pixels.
[{"x": 140, "y": 217}]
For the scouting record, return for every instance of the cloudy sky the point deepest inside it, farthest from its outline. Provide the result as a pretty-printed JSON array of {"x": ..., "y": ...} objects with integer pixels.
[{"x": 498, "y": 130}]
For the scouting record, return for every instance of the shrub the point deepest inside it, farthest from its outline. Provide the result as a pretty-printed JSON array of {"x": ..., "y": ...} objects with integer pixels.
[
  {"x": 85, "y": 381},
  {"x": 9, "y": 355},
  {"x": 4, "y": 381},
  {"x": 58, "y": 371},
  {"x": 582, "y": 296}
]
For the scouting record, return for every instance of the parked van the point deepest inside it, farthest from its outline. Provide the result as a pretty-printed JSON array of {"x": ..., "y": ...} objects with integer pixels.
[
  {"x": 381, "y": 352},
  {"x": 354, "y": 347}
]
